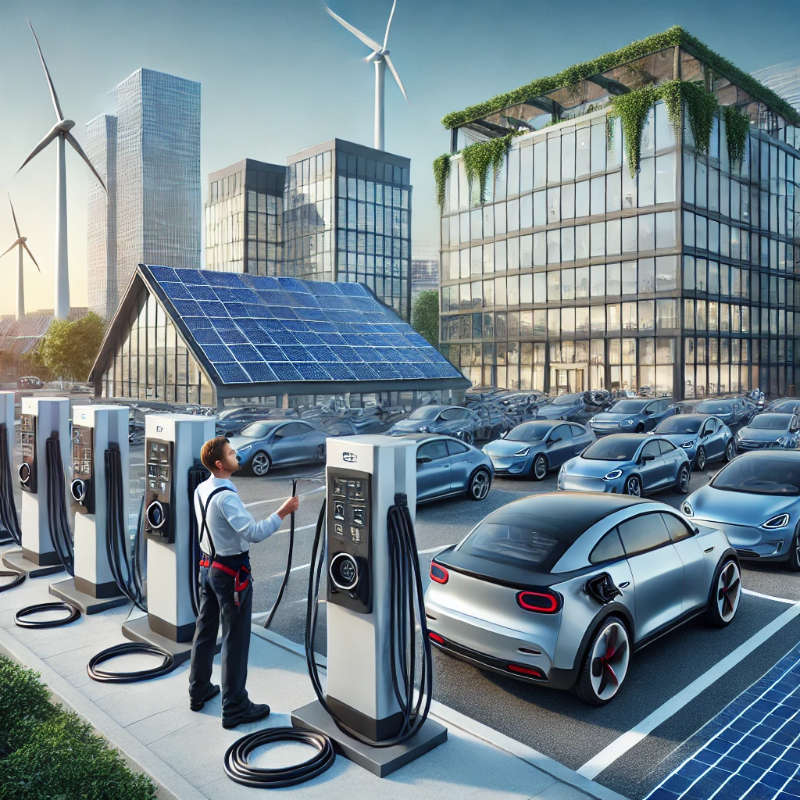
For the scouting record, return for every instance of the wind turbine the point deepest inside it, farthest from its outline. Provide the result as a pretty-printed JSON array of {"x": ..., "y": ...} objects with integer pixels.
[
  {"x": 61, "y": 131},
  {"x": 380, "y": 58},
  {"x": 21, "y": 244}
]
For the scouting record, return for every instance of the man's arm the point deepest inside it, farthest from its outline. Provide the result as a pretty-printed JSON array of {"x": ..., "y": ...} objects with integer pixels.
[{"x": 245, "y": 524}]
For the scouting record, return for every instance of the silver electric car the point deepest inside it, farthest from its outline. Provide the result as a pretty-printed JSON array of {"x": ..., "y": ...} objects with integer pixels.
[{"x": 560, "y": 589}]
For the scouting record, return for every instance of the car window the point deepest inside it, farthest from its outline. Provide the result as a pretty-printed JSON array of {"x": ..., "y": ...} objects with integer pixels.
[
  {"x": 448, "y": 414},
  {"x": 643, "y": 533},
  {"x": 678, "y": 530},
  {"x": 557, "y": 435},
  {"x": 651, "y": 449},
  {"x": 456, "y": 448},
  {"x": 433, "y": 450},
  {"x": 709, "y": 427},
  {"x": 666, "y": 447},
  {"x": 577, "y": 430},
  {"x": 564, "y": 432},
  {"x": 609, "y": 548}
]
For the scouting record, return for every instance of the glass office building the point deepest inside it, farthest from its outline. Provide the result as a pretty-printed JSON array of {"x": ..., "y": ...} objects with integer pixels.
[
  {"x": 784, "y": 79},
  {"x": 574, "y": 274}
]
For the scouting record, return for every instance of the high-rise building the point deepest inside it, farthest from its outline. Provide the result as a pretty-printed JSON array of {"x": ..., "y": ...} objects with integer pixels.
[
  {"x": 101, "y": 253},
  {"x": 783, "y": 79},
  {"x": 158, "y": 202},
  {"x": 424, "y": 276},
  {"x": 593, "y": 260}
]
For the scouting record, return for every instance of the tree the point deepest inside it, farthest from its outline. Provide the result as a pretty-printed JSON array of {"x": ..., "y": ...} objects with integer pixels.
[
  {"x": 425, "y": 316},
  {"x": 69, "y": 349}
]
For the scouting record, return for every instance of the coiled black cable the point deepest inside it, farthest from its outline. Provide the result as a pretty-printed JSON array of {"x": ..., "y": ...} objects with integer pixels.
[
  {"x": 288, "y": 572},
  {"x": 127, "y": 648},
  {"x": 238, "y": 769},
  {"x": 19, "y": 577},
  {"x": 8, "y": 510},
  {"x": 72, "y": 614}
]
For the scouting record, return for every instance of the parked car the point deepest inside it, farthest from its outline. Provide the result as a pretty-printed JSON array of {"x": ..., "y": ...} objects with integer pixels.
[
  {"x": 533, "y": 448},
  {"x": 453, "y": 420},
  {"x": 632, "y": 416},
  {"x": 570, "y": 407},
  {"x": 704, "y": 437},
  {"x": 29, "y": 382},
  {"x": 447, "y": 466},
  {"x": 786, "y": 405},
  {"x": 230, "y": 421},
  {"x": 769, "y": 430},
  {"x": 733, "y": 411},
  {"x": 560, "y": 589},
  {"x": 755, "y": 500},
  {"x": 627, "y": 463},
  {"x": 269, "y": 443},
  {"x": 492, "y": 420}
]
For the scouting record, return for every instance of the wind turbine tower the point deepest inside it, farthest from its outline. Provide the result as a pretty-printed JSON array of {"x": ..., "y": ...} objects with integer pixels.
[
  {"x": 61, "y": 131},
  {"x": 21, "y": 244},
  {"x": 380, "y": 58}
]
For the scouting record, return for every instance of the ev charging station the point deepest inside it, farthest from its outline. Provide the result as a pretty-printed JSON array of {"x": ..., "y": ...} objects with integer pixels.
[
  {"x": 94, "y": 429},
  {"x": 41, "y": 418},
  {"x": 172, "y": 445}
]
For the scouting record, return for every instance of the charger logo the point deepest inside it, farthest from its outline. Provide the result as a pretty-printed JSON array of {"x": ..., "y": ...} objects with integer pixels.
[{"x": 350, "y": 458}]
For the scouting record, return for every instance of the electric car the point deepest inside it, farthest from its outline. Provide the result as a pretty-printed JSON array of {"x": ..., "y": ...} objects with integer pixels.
[
  {"x": 786, "y": 405},
  {"x": 269, "y": 443},
  {"x": 454, "y": 420},
  {"x": 628, "y": 463},
  {"x": 533, "y": 448},
  {"x": 733, "y": 411},
  {"x": 559, "y": 589},
  {"x": 755, "y": 500},
  {"x": 632, "y": 416},
  {"x": 704, "y": 437},
  {"x": 446, "y": 466},
  {"x": 565, "y": 406},
  {"x": 769, "y": 430}
]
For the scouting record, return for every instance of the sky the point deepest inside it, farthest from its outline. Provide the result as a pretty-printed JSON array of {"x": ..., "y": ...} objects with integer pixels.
[{"x": 281, "y": 75}]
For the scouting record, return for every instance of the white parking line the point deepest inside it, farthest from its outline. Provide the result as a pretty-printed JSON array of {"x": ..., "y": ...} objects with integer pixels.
[
  {"x": 282, "y": 497},
  {"x": 769, "y": 597},
  {"x": 622, "y": 744}
]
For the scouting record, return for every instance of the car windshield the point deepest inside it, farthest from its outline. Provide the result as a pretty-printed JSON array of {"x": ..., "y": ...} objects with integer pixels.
[
  {"x": 257, "y": 430},
  {"x": 627, "y": 407},
  {"x": 538, "y": 548},
  {"x": 785, "y": 406},
  {"x": 612, "y": 448},
  {"x": 566, "y": 399},
  {"x": 771, "y": 422},
  {"x": 529, "y": 432},
  {"x": 679, "y": 424},
  {"x": 425, "y": 412},
  {"x": 711, "y": 407},
  {"x": 779, "y": 476}
]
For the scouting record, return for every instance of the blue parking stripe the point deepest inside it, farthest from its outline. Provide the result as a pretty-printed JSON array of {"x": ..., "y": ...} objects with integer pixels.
[{"x": 752, "y": 747}]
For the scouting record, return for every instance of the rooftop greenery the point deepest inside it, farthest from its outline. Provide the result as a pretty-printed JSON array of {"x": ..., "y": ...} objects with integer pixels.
[{"x": 572, "y": 75}]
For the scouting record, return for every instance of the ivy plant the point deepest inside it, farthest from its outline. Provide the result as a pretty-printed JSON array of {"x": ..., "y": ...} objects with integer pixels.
[
  {"x": 441, "y": 170},
  {"x": 737, "y": 126},
  {"x": 480, "y": 156}
]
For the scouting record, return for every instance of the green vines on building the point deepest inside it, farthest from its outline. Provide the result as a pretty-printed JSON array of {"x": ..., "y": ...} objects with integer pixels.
[
  {"x": 441, "y": 170},
  {"x": 480, "y": 156},
  {"x": 632, "y": 110},
  {"x": 737, "y": 126}
]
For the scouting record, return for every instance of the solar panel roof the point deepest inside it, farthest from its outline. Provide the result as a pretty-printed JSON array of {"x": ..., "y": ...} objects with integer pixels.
[{"x": 248, "y": 329}]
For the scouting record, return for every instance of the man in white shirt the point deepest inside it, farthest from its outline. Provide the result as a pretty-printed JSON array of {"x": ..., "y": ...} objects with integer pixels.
[{"x": 226, "y": 530}]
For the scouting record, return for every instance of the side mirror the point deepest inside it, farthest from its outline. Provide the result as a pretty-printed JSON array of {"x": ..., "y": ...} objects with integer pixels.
[
  {"x": 645, "y": 459},
  {"x": 696, "y": 530},
  {"x": 423, "y": 459}
]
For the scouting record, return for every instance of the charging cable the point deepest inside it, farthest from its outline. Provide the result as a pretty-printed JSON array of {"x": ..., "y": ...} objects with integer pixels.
[{"x": 288, "y": 572}]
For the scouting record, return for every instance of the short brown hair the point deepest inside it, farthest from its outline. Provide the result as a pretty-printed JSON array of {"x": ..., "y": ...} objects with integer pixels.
[{"x": 212, "y": 451}]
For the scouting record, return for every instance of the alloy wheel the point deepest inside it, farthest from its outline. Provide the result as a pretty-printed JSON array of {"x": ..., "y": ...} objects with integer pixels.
[
  {"x": 609, "y": 660},
  {"x": 700, "y": 459},
  {"x": 480, "y": 484},
  {"x": 730, "y": 451},
  {"x": 539, "y": 468},
  {"x": 729, "y": 586},
  {"x": 683, "y": 479},
  {"x": 260, "y": 464},
  {"x": 633, "y": 486}
]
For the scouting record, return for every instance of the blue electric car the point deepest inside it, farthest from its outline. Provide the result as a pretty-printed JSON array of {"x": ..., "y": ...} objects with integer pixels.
[
  {"x": 632, "y": 463},
  {"x": 633, "y": 416},
  {"x": 770, "y": 430},
  {"x": 534, "y": 448},
  {"x": 704, "y": 437}
]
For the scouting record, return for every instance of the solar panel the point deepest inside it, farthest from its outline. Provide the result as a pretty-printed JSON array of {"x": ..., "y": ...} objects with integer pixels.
[{"x": 262, "y": 329}]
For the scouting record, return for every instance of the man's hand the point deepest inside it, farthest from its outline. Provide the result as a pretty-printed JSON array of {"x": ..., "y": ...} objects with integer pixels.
[{"x": 290, "y": 506}]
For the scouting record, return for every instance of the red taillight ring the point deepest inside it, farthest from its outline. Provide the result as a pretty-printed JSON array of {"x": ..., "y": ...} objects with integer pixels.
[
  {"x": 541, "y": 602},
  {"x": 435, "y": 637},
  {"x": 533, "y": 672},
  {"x": 439, "y": 573}
]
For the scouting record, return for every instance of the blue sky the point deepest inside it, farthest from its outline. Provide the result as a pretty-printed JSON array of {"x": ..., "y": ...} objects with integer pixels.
[{"x": 278, "y": 76}]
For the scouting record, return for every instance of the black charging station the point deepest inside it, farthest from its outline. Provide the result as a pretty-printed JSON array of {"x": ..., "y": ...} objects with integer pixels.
[
  {"x": 158, "y": 490},
  {"x": 27, "y": 444},
  {"x": 82, "y": 486}
]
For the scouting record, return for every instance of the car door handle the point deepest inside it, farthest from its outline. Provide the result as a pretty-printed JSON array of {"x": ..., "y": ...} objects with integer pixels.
[
  {"x": 708, "y": 549},
  {"x": 624, "y": 584}
]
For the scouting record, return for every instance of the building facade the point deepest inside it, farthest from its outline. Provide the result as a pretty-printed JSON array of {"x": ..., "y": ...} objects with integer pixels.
[
  {"x": 424, "y": 276},
  {"x": 783, "y": 79},
  {"x": 577, "y": 273}
]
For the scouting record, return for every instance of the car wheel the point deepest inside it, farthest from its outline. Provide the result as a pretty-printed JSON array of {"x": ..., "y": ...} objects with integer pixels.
[
  {"x": 684, "y": 474},
  {"x": 606, "y": 663},
  {"x": 465, "y": 436},
  {"x": 633, "y": 486},
  {"x": 479, "y": 484},
  {"x": 700, "y": 459},
  {"x": 539, "y": 467},
  {"x": 794, "y": 551},
  {"x": 260, "y": 464},
  {"x": 730, "y": 450},
  {"x": 725, "y": 594},
  {"x": 640, "y": 428},
  {"x": 321, "y": 453}
]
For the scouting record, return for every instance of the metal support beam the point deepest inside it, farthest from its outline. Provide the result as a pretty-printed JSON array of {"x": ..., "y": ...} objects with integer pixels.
[
  {"x": 483, "y": 127},
  {"x": 609, "y": 84},
  {"x": 546, "y": 104}
]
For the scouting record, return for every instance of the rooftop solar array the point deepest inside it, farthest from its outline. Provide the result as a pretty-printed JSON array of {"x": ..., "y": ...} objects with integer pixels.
[{"x": 258, "y": 329}]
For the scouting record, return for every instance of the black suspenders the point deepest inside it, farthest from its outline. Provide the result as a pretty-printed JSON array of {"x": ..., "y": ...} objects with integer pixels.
[{"x": 204, "y": 512}]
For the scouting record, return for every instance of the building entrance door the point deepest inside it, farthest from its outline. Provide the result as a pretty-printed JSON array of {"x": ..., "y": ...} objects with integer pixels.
[{"x": 567, "y": 378}]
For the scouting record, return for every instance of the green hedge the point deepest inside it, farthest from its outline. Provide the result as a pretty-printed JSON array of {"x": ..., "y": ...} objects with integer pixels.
[{"x": 47, "y": 753}]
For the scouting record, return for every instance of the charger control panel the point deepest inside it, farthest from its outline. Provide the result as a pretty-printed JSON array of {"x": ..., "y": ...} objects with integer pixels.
[
  {"x": 158, "y": 521},
  {"x": 82, "y": 487},
  {"x": 349, "y": 514},
  {"x": 27, "y": 445}
]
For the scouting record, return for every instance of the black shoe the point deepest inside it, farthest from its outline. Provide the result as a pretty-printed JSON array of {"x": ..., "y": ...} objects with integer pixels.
[
  {"x": 197, "y": 705},
  {"x": 252, "y": 713}
]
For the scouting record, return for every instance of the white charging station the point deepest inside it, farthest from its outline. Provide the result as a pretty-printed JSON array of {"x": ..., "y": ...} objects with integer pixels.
[
  {"x": 40, "y": 418},
  {"x": 172, "y": 445},
  {"x": 7, "y": 419},
  {"x": 94, "y": 428}
]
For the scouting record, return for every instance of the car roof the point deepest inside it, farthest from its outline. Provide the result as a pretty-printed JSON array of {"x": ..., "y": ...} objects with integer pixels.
[
  {"x": 419, "y": 438},
  {"x": 789, "y": 456},
  {"x": 697, "y": 417}
]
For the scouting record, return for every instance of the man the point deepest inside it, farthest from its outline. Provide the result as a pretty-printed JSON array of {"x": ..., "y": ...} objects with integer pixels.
[{"x": 226, "y": 530}]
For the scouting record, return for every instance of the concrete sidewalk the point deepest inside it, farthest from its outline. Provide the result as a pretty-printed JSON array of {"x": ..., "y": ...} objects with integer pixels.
[{"x": 151, "y": 724}]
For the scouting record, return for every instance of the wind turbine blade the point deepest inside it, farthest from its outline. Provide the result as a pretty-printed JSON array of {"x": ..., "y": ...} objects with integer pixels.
[
  {"x": 9, "y": 249},
  {"x": 396, "y": 76},
  {"x": 372, "y": 56},
  {"x": 53, "y": 95},
  {"x": 28, "y": 250},
  {"x": 371, "y": 43},
  {"x": 14, "y": 216},
  {"x": 389, "y": 24},
  {"x": 41, "y": 146},
  {"x": 79, "y": 150}
]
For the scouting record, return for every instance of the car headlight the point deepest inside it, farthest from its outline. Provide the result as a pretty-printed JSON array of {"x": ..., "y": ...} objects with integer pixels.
[
  {"x": 687, "y": 509},
  {"x": 523, "y": 452},
  {"x": 424, "y": 429},
  {"x": 628, "y": 422},
  {"x": 688, "y": 444},
  {"x": 780, "y": 441},
  {"x": 780, "y": 521},
  {"x": 613, "y": 475}
]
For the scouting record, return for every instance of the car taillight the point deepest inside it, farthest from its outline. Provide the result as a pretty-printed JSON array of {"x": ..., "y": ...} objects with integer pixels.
[
  {"x": 439, "y": 573},
  {"x": 531, "y": 672},
  {"x": 543, "y": 602},
  {"x": 434, "y": 637}
]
